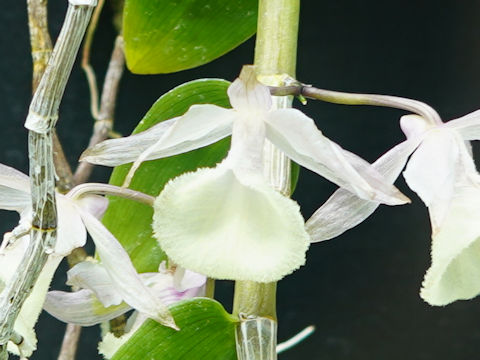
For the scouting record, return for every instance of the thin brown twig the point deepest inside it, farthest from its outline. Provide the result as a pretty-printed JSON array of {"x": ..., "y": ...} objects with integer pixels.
[
  {"x": 70, "y": 342},
  {"x": 89, "y": 72},
  {"x": 104, "y": 123}
]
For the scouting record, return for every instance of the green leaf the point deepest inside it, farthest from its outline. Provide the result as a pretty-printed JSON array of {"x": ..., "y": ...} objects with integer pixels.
[
  {"x": 130, "y": 221},
  {"x": 207, "y": 332},
  {"x": 164, "y": 36}
]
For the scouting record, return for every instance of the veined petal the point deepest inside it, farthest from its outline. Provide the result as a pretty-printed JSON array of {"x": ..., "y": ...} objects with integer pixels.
[
  {"x": 211, "y": 223},
  {"x": 14, "y": 200},
  {"x": 432, "y": 172},
  {"x": 81, "y": 307},
  {"x": 296, "y": 135},
  {"x": 124, "y": 150},
  {"x": 455, "y": 270},
  {"x": 12, "y": 178},
  {"x": 94, "y": 204},
  {"x": 93, "y": 276},
  {"x": 14, "y": 190},
  {"x": 247, "y": 94},
  {"x": 71, "y": 231},
  {"x": 344, "y": 210},
  {"x": 123, "y": 274},
  {"x": 468, "y": 126},
  {"x": 200, "y": 126}
]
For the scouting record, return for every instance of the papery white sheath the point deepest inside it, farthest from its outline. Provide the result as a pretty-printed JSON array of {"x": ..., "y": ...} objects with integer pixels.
[
  {"x": 228, "y": 222},
  {"x": 76, "y": 214},
  {"x": 41, "y": 119},
  {"x": 442, "y": 172}
]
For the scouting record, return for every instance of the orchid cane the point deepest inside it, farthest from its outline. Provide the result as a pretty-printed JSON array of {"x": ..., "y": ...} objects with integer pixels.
[{"x": 41, "y": 120}]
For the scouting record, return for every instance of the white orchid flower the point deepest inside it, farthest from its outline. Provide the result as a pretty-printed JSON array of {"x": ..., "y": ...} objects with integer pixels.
[
  {"x": 228, "y": 222},
  {"x": 99, "y": 300},
  {"x": 76, "y": 215},
  {"x": 442, "y": 172}
]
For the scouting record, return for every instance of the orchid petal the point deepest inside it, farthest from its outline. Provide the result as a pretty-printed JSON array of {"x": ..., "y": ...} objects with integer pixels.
[
  {"x": 14, "y": 189},
  {"x": 71, "y": 231},
  {"x": 81, "y": 307},
  {"x": 12, "y": 178},
  {"x": 455, "y": 270},
  {"x": 200, "y": 126},
  {"x": 296, "y": 135},
  {"x": 344, "y": 210},
  {"x": 94, "y": 204},
  {"x": 119, "y": 151},
  {"x": 186, "y": 279},
  {"x": 123, "y": 274},
  {"x": 468, "y": 126},
  {"x": 162, "y": 285},
  {"x": 414, "y": 125},
  {"x": 84, "y": 307},
  {"x": 241, "y": 233},
  {"x": 246, "y": 93},
  {"x": 93, "y": 276},
  {"x": 14, "y": 200},
  {"x": 431, "y": 172}
]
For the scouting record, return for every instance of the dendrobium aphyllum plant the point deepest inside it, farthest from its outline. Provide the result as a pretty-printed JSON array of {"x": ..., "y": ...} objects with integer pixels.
[
  {"x": 228, "y": 222},
  {"x": 77, "y": 213},
  {"x": 442, "y": 172}
]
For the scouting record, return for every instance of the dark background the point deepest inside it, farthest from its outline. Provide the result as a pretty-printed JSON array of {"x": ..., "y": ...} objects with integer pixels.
[{"x": 361, "y": 289}]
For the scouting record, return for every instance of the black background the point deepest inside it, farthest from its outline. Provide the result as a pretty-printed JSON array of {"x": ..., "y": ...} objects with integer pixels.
[{"x": 361, "y": 289}]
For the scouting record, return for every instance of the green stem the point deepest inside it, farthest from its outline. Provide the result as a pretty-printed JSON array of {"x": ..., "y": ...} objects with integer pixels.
[
  {"x": 255, "y": 299},
  {"x": 276, "y": 46},
  {"x": 210, "y": 288}
]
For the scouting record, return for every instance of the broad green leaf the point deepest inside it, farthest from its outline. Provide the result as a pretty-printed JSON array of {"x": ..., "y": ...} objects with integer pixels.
[
  {"x": 131, "y": 222},
  {"x": 207, "y": 332},
  {"x": 164, "y": 36}
]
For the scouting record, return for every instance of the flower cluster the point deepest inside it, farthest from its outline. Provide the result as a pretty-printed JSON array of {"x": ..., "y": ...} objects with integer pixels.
[{"x": 227, "y": 222}]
